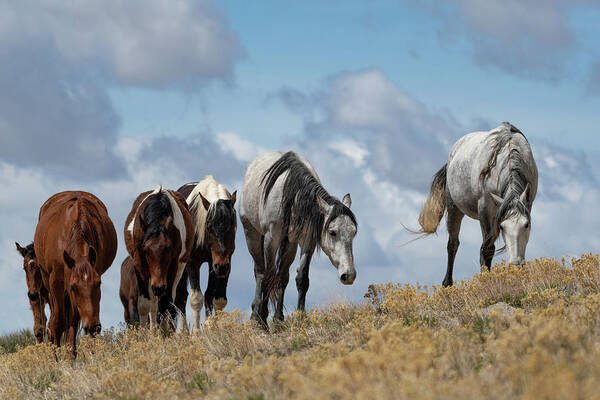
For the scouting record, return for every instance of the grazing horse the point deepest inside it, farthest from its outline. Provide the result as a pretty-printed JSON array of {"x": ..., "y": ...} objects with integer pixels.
[
  {"x": 36, "y": 291},
  {"x": 215, "y": 224},
  {"x": 75, "y": 243},
  {"x": 129, "y": 292},
  {"x": 492, "y": 177},
  {"x": 159, "y": 238},
  {"x": 284, "y": 205}
]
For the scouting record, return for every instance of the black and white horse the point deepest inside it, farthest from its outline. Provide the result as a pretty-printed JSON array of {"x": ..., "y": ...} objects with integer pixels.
[{"x": 215, "y": 223}]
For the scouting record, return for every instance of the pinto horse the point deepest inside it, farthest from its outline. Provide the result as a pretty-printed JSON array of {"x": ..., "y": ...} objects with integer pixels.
[
  {"x": 129, "y": 292},
  {"x": 75, "y": 243},
  {"x": 36, "y": 291},
  {"x": 215, "y": 223},
  {"x": 159, "y": 238},
  {"x": 285, "y": 206},
  {"x": 492, "y": 177}
]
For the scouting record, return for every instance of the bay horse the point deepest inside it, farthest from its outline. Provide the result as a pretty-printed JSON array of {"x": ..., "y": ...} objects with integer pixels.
[
  {"x": 75, "y": 243},
  {"x": 491, "y": 177},
  {"x": 36, "y": 291},
  {"x": 285, "y": 206},
  {"x": 215, "y": 224},
  {"x": 159, "y": 238},
  {"x": 129, "y": 292}
]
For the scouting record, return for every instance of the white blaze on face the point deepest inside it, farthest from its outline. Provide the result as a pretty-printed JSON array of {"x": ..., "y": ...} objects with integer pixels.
[{"x": 515, "y": 232}]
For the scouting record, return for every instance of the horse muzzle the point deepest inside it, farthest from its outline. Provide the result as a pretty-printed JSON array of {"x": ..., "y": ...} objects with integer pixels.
[
  {"x": 348, "y": 277},
  {"x": 159, "y": 291},
  {"x": 92, "y": 330},
  {"x": 222, "y": 270},
  {"x": 35, "y": 296}
]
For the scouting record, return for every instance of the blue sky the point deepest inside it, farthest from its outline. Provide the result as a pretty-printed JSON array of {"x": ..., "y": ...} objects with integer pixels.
[{"x": 116, "y": 98}]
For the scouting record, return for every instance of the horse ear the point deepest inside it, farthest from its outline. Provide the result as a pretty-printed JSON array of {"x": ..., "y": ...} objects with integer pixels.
[
  {"x": 20, "y": 249},
  {"x": 497, "y": 199},
  {"x": 69, "y": 262},
  {"x": 92, "y": 256},
  {"x": 347, "y": 200},
  {"x": 205, "y": 202},
  {"x": 525, "y": 195},
  {"x": 325, "y": 208},
  {"x": 233, "y": 198}
]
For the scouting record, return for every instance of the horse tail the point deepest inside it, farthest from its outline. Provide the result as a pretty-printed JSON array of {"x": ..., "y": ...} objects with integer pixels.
[{"x": 435, "y": 205}]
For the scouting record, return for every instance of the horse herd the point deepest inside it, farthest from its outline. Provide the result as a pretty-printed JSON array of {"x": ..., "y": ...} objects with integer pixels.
[{"x": 490, "y": 176}]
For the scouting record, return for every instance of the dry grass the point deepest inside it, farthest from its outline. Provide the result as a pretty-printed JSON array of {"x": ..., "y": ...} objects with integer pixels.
[{"x": 542, "y": 341}]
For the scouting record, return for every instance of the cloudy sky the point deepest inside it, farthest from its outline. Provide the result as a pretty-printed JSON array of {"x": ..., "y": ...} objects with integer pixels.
[{"x": 116, "y": 97}]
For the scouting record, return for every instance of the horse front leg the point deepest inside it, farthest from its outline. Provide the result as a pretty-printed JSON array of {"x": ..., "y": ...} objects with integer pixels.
[
  {"x": 196, "y": 297},
  {"x": 453, "y": 221},
  {"x": 489, "y": 233},
  {"x": 302, "y": 281}
]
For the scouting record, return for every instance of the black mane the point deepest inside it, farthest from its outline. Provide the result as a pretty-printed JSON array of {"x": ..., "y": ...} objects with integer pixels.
[
  {"x": 221, "y": 218},
  {"x": 301, "y": 189},
  {"x": 158, "y": 208}
]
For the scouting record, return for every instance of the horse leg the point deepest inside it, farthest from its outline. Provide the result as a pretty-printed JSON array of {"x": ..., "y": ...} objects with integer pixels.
[
  {"x": 453, "y": 221},
  {"x": 270, "y": 251},
  {"x": 196, "y": 298},
  {"x": 255, "y": 242},
  {"x": 74, "y": 320},
  {"x": 181, "y": 297},
  {"x": 39, "y": 325},
  {"x": 287, "y": 253},
  {"x": 209, "y": 293},
  {"x": 302, "y": 276},
  {"x": 57, "y": 316},
  {"x": 486, "y": 221}
]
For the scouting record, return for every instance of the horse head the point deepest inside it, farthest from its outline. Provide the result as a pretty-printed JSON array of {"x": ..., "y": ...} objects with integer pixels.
[
  {"x": 83, "y": 285},
  {"x": 221, "y": 225},
  {"x": 514, "y": 221},
  {"x": 337, "y": 236},
  {"x": 159, "y": 252}
]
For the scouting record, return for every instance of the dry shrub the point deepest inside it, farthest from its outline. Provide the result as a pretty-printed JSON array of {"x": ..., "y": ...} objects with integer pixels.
[{"x": 539, "y": 340}]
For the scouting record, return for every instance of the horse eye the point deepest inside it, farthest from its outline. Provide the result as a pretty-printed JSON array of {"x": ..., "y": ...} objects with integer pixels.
[
  {"x": 73, "y": 288},
  {"x": 332, "y": 233},
  {"x": 527, "y": 225}
]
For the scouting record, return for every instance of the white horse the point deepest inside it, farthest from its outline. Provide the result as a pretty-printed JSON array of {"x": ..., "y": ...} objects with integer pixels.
[
  {"x": 284, "y": 205},
  {"x": 492, "y": 177}
]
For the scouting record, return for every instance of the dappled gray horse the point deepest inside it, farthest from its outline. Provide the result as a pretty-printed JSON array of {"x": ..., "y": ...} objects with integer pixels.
[
  {"x": 283, "y": 206},
  {"x": 490, "y": 176}
]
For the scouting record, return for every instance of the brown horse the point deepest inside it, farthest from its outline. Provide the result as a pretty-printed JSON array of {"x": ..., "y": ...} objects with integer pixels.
[
  {"x": 36, "y": 291},
  {"x": 215, "y": 224},
  {"x": 129, "y": 292},
  {"x": 75, "y": 243},
  {"x": 159, "y": 238}
]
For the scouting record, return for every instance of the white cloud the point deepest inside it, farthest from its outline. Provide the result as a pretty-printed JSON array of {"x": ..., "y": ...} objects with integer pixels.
[
  {"x": 242, "y": 149},
  {"x": 527, "y": 38},
  {"x": 144, "y": 43}
]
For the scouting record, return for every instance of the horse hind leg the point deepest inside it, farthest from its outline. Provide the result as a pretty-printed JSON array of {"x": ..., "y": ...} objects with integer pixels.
[
  {"x": 255, "y": 243},
  {"x": 453, "y": 221},
  {"x": 287, "y": 254}
]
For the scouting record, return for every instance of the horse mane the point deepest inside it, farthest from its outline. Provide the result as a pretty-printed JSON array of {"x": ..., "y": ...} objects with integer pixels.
[
  {"x": 83, "y": 228},
  {"x": 518, "y": 175},
  {"x": 301, "y": 190},
  {"x": 158, "y": 207},
  {"x": 214, "y": 192}
]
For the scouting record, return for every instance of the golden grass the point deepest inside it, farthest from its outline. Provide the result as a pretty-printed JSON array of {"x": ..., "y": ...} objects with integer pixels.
[{"x": 404, "y": 342}]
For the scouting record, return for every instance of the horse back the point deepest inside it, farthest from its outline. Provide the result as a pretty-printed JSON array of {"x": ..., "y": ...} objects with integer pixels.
[{"x": 59, "y": 214}]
